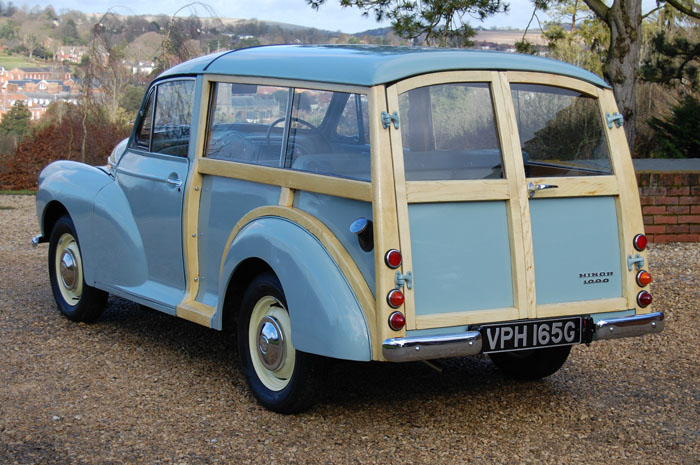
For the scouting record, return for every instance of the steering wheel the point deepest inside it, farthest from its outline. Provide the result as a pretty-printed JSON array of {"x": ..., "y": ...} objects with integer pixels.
[{"x": 279, "y": 120}]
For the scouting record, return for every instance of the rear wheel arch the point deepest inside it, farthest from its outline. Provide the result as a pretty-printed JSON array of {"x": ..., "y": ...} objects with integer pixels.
[{"x": 238, "y": 283}]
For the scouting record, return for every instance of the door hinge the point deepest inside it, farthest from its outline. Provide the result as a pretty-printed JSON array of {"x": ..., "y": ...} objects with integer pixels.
[
  {"x": 387, "y": 119},
  {"x": 616, "y": 118},
  {"x": 402, "y": 279},
  {"x": 636, "y": 260}
]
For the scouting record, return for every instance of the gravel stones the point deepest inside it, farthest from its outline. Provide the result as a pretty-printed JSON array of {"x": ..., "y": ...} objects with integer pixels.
[{"x": 139, "y": 386}]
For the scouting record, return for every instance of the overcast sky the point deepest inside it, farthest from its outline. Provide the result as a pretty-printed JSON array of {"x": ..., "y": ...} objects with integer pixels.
[{"x": 330, "y": 16}]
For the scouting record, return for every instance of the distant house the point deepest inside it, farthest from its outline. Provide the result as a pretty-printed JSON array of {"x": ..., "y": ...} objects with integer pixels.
[
  {"x": 141, "y": 67},
  {"x": 25, "y": 73},
  {"x": 72, "y": 54},
  {"x": 37, "y": 88}
]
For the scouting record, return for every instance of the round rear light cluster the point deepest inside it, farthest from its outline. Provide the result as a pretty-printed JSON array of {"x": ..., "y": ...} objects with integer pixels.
[
  {"x": 397, "y": 321},
  {"x": 643, "y": 278},
  {"x": 640, "y": 242},
  {"x": 644, "y": 299},
  {"x": 393, "y": 258},
  {"x": 395, "y": 298}
]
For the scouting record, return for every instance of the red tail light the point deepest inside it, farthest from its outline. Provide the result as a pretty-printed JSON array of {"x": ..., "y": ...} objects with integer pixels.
[
  {"x": 644, "y": 299},
  {"x": 393, "y": 258},
  {"x": 643, "y": 278},
  {"x": 640, "y": 242},
  {"x": 395, "y": 298},
  {"x": 397, "y": 321}
]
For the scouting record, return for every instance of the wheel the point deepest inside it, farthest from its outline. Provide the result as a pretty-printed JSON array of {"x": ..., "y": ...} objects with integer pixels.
[
  {"x": 282, "y": 378},
  {"x": 75, "y": 299},
  {"x": 533, "y": 364}
]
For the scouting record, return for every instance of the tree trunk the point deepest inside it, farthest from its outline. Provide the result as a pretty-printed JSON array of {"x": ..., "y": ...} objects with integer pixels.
[{"x": 624, "y": 18}]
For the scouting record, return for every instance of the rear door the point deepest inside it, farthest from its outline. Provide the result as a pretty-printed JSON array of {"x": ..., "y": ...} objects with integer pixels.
[
  {"x": 483, "y": 231},
  {"x": 573, "y": 195}
]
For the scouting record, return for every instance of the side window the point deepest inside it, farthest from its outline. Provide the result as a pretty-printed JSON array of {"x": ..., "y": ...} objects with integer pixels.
[
  {"x": 561, "y": 132},
  {"x": 246, "y": 123},
  {"x": 143, "y": 135},
  {"x": 325, "y": 134},
  {"x": 173, "y": 116},
  {"x": 449, "y": 132},
  {"x": 354, "y": 122}
]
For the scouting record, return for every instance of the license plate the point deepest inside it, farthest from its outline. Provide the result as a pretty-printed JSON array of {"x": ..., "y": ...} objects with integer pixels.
[{"x": 508, "y": 337}]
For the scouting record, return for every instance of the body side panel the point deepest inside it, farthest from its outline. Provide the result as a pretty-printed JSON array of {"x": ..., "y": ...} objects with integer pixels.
[
  {"x": 326, "y": 316},
  {"x": 337, "y": 213},
  {"x": 224, "y": 201}
]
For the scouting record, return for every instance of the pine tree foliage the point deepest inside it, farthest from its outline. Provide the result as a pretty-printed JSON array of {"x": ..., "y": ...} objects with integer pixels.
[
  {"x": 438, "y": 22},
  {"x": 678, "y": 136}
]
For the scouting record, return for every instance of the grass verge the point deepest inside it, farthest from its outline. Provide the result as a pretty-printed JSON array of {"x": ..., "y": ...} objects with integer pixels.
[{"x": 18, "y": 192}]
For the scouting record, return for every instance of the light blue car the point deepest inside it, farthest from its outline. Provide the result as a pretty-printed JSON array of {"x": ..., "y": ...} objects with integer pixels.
[{"x": 363, "y": 203}]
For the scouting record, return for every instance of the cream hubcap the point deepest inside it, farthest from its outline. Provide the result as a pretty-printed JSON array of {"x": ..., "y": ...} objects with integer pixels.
[
  {"x": 269, "y": 340},
  {"x": 69, "y": 269}
]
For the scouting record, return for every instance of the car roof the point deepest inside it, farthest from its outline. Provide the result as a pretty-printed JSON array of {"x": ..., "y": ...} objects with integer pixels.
[{"x": 367, "y": 65}]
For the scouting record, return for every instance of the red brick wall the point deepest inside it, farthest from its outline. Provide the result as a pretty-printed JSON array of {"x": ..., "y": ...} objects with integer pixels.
[{"x": 670, "y": 206}]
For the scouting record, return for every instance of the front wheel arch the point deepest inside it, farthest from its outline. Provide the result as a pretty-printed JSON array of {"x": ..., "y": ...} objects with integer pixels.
[{"x": 52, "y": 212}]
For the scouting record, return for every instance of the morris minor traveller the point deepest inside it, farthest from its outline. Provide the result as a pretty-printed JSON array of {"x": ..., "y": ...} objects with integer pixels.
[{"x": 363, "y": 203}]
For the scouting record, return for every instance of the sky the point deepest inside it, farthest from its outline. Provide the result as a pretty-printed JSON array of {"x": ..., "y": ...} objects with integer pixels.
[{"x": 330, "y": 16}]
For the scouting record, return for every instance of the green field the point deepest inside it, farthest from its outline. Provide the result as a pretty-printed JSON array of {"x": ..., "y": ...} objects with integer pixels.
[{"x": 13, "y": 61}]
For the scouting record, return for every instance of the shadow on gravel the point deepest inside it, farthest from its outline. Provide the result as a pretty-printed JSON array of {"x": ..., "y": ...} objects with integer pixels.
[{"x": 352, "y": 385}]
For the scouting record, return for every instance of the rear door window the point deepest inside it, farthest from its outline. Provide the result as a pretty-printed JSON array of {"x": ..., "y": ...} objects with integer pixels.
[
  {"x": 449, "y": 131},
  {"x": 561, "y": 132}
]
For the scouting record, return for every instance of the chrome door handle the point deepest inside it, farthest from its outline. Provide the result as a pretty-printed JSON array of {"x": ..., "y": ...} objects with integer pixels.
[
  {"x": 532, "y": 188},
  {"x": 175, "y": 182}
]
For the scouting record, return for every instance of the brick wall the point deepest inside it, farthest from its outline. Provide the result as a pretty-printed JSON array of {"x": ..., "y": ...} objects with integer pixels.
[{"x": 670, "y": 206}]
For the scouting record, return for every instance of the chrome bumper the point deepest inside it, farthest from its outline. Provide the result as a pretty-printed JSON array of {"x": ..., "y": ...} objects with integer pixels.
[
  {"x": 630, "y": 326},
  {"x": 408, "y": 349}
]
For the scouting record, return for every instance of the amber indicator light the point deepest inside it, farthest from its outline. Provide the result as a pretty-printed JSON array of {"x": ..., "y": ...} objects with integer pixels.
[
  {"x": 640, "y": 242},
  {"x": 397, "y": 321},
  {"x": 644, "y": 299},
  {"x": 643, "y": 278}
]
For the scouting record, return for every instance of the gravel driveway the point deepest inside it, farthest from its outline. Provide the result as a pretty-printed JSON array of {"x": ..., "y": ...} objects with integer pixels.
[{"x": 139, "y": 386}]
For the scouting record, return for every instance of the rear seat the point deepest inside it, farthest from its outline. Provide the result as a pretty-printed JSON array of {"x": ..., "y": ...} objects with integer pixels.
[
  {"x": 452, "y": 165},
  {"x": 347, "y": 164}
]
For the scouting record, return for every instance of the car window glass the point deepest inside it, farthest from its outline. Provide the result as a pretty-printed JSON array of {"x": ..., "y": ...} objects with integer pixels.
[
  {"x": 355, "y": 111},
  {"x": 449, "y": 132},
  {"x": 246, "y": 123},
  {"x": 171, "y": 133},
  {"x": 143, "y": 136},
  {"x": 325, "y": 136},
  {"x": 561, "y": 132}
]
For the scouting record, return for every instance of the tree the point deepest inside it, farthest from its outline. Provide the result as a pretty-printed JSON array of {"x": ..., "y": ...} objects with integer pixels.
[
  {"x": 69, "y": 33},
  {"x": 677, "y": 136},
  {"x": 17, "y": 120},
  {"x": 622, "y": 62},
  {"x": 438, "y": 22},
  {"x": 673, "y": 58}
]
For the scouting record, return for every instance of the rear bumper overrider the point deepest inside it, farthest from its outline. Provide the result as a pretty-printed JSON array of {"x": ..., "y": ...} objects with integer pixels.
[
  {"x": 629, "y": 326},
  {"x": 407, "y": 349}
]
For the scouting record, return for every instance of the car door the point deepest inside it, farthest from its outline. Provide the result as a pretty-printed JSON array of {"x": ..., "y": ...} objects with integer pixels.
[
  {"x": 574, "y": 195},
  {"x": 152, "y": 175}
]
